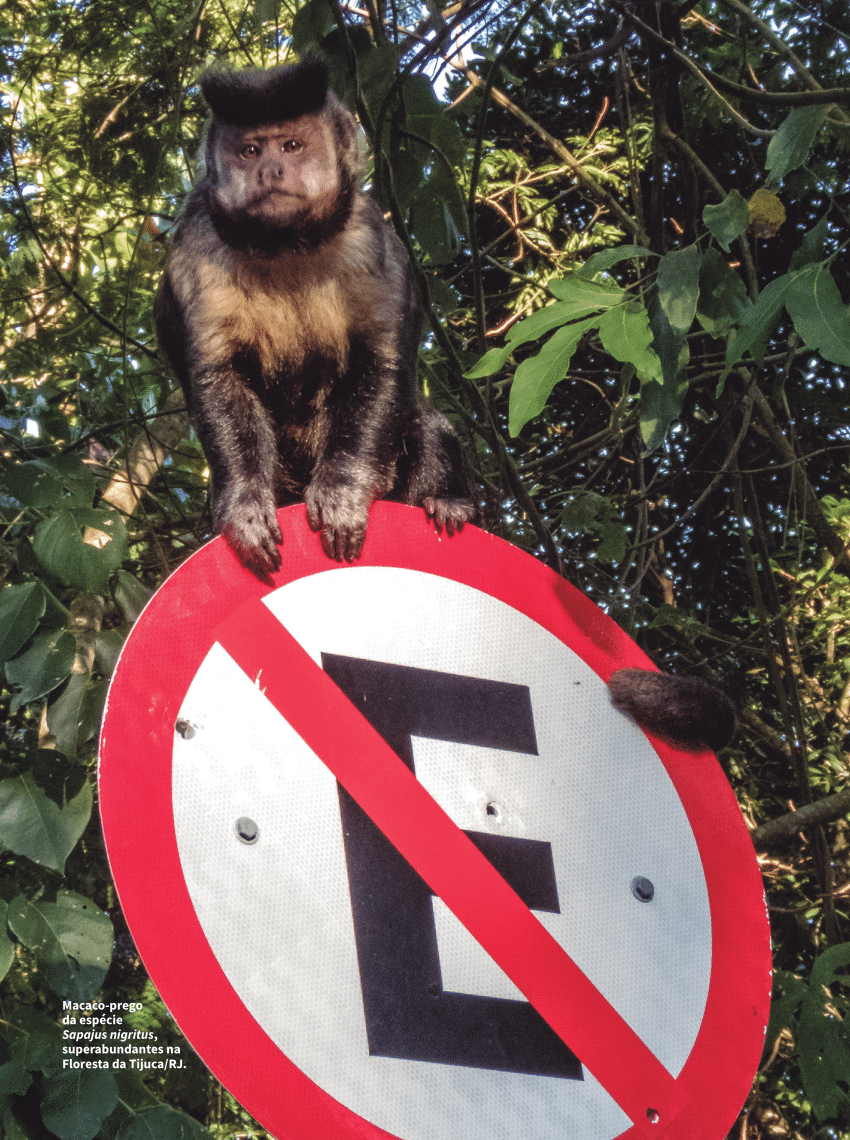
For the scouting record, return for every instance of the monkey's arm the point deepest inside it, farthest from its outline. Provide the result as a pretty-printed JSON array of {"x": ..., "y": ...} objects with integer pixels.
[
  {"x": 358, "y": 457},
  {"x": 235, "y": 431},
  {"x": 238, "y": 438}
]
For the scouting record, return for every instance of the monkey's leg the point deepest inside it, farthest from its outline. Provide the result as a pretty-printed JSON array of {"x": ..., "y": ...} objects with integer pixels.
[
  {"x": 238, "y": 438},
  {"x": 436, "y": 478}
]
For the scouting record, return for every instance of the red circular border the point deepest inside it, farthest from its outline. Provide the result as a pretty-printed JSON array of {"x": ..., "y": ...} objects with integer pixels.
[{"x": 157, "y": 665}]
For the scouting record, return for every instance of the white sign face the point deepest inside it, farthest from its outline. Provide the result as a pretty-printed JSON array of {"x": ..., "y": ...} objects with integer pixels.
[{"x": 339, "y": 951}]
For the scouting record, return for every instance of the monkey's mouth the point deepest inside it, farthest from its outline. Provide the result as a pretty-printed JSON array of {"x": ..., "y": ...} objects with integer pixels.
[{"x": 274, "y": 192}]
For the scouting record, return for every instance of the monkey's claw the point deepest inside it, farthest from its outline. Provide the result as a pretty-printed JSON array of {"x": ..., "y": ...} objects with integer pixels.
[
  {"x": 449, "y": 514},
  {"x": 340, "y": 514},
  {"x": 251, "y": 530}
]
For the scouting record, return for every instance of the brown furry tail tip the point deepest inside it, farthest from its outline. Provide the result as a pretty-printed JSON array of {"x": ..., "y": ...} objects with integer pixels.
[{"x": 685, "y": 711}]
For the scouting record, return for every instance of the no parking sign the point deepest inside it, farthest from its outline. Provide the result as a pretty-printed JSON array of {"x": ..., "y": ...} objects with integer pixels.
[{"x": 397, "y": 866}]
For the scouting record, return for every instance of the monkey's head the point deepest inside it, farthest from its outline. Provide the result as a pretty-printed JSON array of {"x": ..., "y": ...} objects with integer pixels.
[{"x": 281, "y": 156}]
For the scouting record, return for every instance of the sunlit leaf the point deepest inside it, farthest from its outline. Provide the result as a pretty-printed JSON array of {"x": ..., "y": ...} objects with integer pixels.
[
  {"x": 625, "y": 333},
  {"x": 537, "y": 376}
]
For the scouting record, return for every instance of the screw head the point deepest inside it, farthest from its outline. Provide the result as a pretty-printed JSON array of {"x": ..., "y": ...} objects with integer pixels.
[
  {"x": 643, "y": 889},
  {"x": 247, "y": 830}
]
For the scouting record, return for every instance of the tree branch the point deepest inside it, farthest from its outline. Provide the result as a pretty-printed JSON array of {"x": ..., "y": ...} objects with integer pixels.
[{"x": 780, "y": 830}]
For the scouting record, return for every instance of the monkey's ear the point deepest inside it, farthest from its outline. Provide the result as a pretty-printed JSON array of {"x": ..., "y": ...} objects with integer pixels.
[{"x": 255, "y": 97}]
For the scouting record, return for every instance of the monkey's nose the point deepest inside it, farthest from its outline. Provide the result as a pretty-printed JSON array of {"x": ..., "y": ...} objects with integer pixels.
[{"x": 273, "y": 172}]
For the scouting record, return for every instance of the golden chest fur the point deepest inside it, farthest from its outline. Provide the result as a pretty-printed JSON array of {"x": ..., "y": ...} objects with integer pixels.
[{"x": 284, "y": 310}]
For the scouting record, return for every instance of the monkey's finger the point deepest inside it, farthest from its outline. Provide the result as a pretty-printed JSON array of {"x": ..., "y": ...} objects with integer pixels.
[
  {"x": 354, "y": 545},
  {"x": 331, "y": 543},
  {"x": 271, "y": 553}
]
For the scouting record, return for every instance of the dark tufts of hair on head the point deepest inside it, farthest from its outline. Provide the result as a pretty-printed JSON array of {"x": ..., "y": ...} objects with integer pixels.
[{"x": 255, "y": 96}]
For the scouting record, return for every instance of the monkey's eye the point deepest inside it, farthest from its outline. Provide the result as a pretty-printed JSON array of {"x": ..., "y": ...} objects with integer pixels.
[
  {"x": 250, "y": 150},
  {"x": 292, "y": 146}
]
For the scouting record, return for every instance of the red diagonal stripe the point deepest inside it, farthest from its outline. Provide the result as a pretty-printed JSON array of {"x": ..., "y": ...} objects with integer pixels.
[{"x": 451, "y": 865}]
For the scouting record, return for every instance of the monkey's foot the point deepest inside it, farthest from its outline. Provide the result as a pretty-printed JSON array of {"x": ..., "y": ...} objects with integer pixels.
[
  {"x": 340, "y": 514},
  {"x": 449, "y": 514},
  {"x": 251, "y": 530}
]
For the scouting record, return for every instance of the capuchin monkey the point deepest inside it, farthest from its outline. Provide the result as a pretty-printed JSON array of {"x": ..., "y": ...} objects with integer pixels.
[
  {"x": 288, "y": 314},
  {"x": 685, "y": 711}
]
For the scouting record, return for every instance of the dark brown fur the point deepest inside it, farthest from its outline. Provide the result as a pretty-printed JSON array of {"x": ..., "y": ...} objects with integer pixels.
[
  {"x": 289, "y": 316},
  {"x": 686, "y": 711}
]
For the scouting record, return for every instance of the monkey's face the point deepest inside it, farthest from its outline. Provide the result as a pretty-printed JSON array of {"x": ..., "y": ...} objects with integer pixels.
[{"x": 279, "y": 177}]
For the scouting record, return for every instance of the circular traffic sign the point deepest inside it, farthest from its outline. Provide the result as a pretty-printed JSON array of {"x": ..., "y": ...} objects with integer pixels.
[{"x": 399, "y": 868}]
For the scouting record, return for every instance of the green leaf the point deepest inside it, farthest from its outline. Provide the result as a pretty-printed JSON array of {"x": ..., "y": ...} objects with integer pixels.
[
  {"x": 75, "y": 1104},
  {"x": 31, "y": 824},
  {"x": 71, "y": 938},
  {"x": 670, "y": 347},
  {"x": 108, "y": 644},
  {"x": 11, "y": 1129},
  {"x": 678, "y": 287},
  {"x": 311, "y": 23},
  {"x": 21, "y": 608},
  {"x": 65, "y": 715},
  {"x": 57, "y": 777},
  {"x": 59, "y": 547},
  {"x": 812, "y": 246},
  {"x": 591, "y": 513},
  {"x": 490, "y": 363},
  {"x": 42, "y": 666},
  {"x": 728, "y": 220},
  {"x": 661, "y": 395},
  {"x": 162, "y": 1123},
  {"x": 625, "y": 333},
  {"x": 425, "y": 116},
  {"x": 578, "y": 299},
  {"x": 722, "y": 295},
  {"x": 758, "y": 321},
  {"x": 7, "y": 956},
  {"x": 660, "y": 406},
  {"x": 826, "y": 967},
  {"x": 585, "y": 296},
  {"x": 819, "y": 315},
  {"x": 14, "y": 1078},
  {"x": 608, "y": 257},
  {"x": 442, "y": 296},
  {"x": 824, "y": 1056},
  {"x": 537, "y": 376},
  {"x": 432, "y": 220},
  {"x": 790, "y": 146},
  {"x": 131, "y": 596},
  {"x": 64, "y": 481}
]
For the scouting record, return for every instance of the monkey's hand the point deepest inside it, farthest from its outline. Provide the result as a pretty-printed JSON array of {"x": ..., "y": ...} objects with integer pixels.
[
  {"x": 339, "y": 510},
  {"x": 449, "y": 514},
  {"x": 248, "y": 522}
]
